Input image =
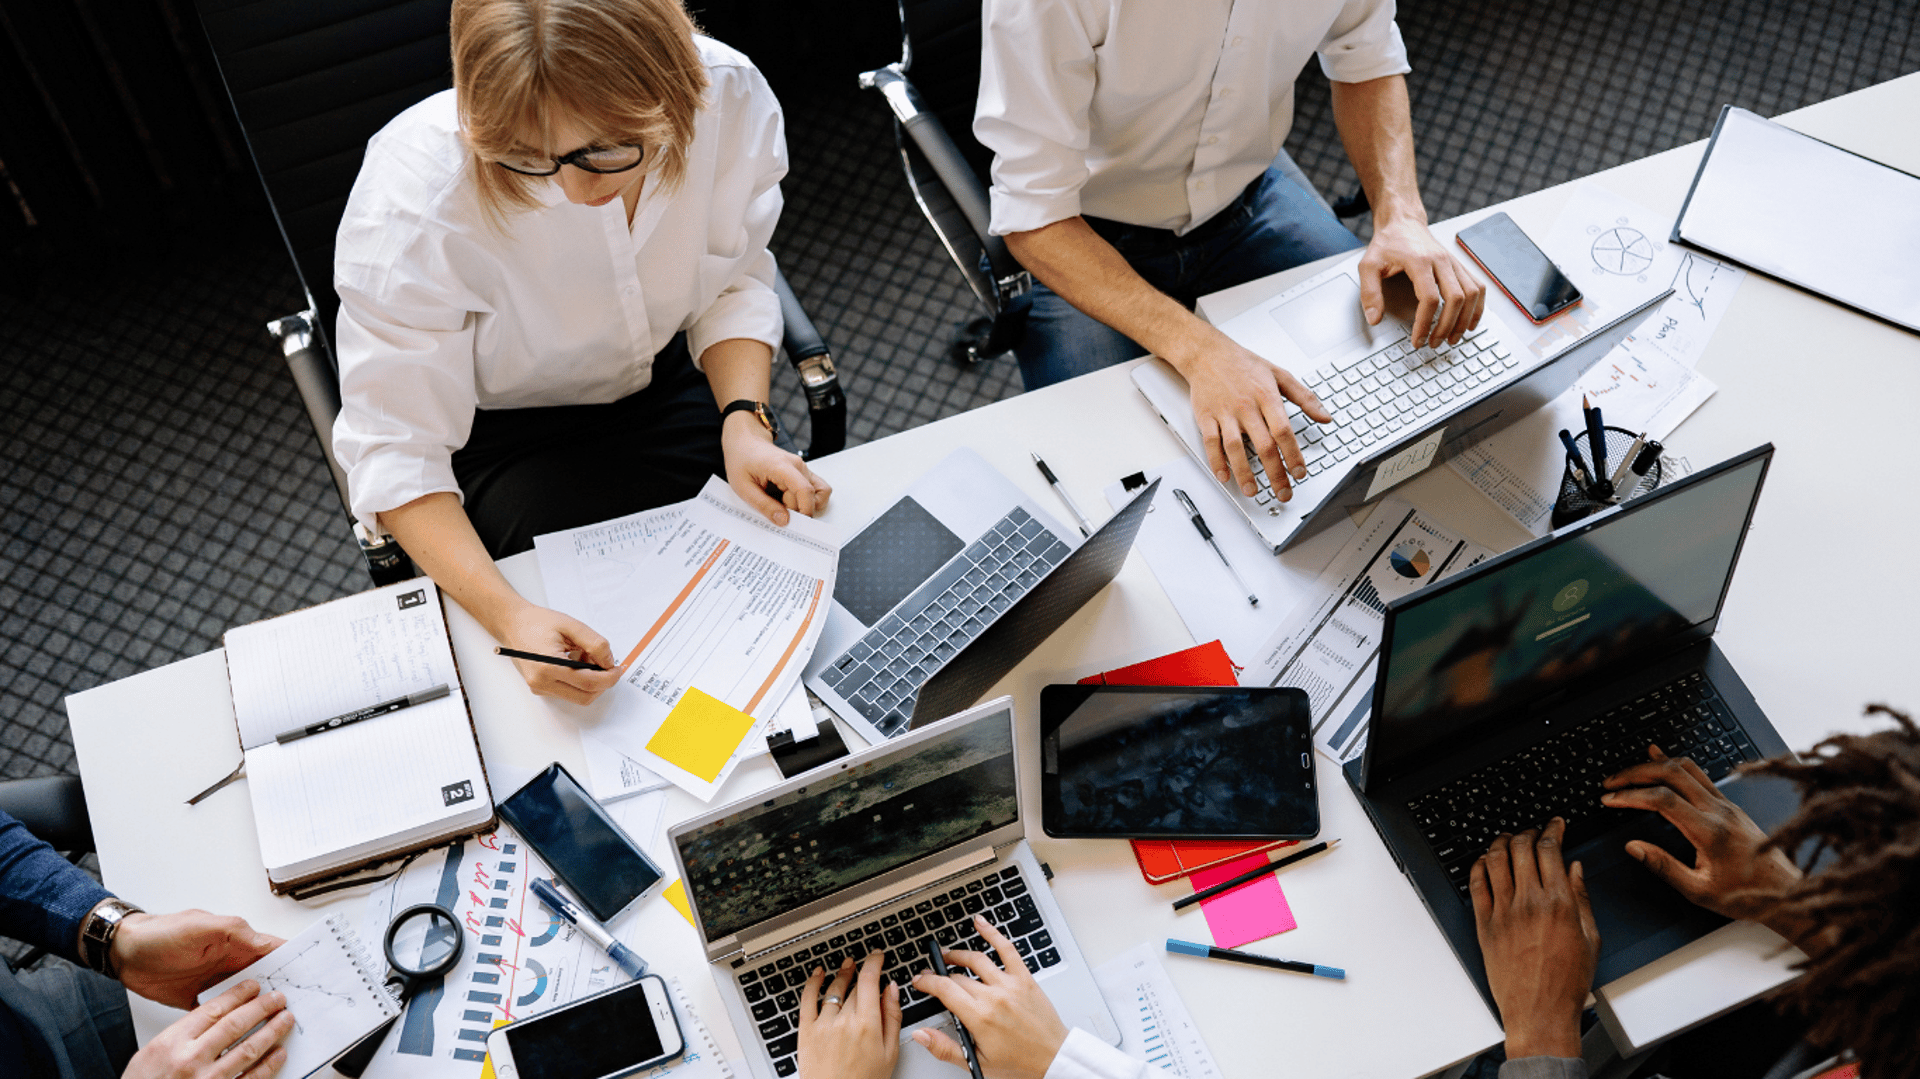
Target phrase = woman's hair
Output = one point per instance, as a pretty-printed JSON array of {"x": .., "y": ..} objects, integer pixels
[
  {"x": 625, "y": 71},
  {"x": 1860, "y": 800}
]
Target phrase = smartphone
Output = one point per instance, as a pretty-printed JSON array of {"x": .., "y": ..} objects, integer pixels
[
  {"x": 1518, "y": 268},
  {"x": 1174, "y": 762},
  {"x": 616, "y": 1032},
  {"x": 597, "y": 861}
]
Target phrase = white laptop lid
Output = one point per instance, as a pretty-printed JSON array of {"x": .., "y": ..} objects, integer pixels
[{"x": 852, "y": 832}]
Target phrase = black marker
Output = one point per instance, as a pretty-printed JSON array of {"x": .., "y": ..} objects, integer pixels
[
  {"x": 966, "y": 1040},
  {"x": 348, "y": 718}
]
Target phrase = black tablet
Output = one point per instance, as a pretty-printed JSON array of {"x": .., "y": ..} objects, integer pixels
[{"x": 1171, "y": 762}]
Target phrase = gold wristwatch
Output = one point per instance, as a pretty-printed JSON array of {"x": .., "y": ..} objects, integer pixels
[{"x": 761, "y": 411}]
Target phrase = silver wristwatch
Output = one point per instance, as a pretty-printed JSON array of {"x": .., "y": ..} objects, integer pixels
[{"x": 97, "y": 931}]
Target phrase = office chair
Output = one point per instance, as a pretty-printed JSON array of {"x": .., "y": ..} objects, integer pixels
[
  {"x": 946, "y": 167},
  {"x": 311, "y": 81},
  {"x": 54, "y": 809}
]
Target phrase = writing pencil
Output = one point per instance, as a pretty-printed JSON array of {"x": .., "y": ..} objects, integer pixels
[
  {"x": 1253, "y": 874},
  {"x": 558, "y": 661},
  {"x": 1208, "y": 951}
]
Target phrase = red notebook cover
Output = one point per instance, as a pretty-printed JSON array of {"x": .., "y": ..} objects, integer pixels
[{"x": 1202, "y": 665}]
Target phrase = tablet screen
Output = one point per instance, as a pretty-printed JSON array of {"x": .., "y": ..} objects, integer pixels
[{"x": 1177, "y": 763}]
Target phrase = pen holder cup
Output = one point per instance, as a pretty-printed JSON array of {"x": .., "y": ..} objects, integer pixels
[{"x": 1573, "y": 503}]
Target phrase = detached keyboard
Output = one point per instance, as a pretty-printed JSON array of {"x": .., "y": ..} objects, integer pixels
[
  {"x": 772, "y": 982},
  {"x": 881, "y": 674},
  {"x": 1562, "y": 776},
  {"x": 1376, "y": 397}
]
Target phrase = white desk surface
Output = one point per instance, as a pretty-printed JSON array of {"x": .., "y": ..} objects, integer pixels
[{"x": 1816, "y": 623}]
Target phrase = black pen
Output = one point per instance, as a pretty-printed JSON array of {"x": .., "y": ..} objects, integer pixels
[
  {"x": 1208, "y": 951},
  {"x": 966, "y": 1039},
  {"x": 380, "y": 709},
  {"x": 1206, "y": 533},
  {"x": 1578, "y": 464},
  {"x": 1086, "y": 526},
  {"x": 1271, "y": 867},
  {"x": 1597, "y": 445},
  {"x": 557, "y": 661}
]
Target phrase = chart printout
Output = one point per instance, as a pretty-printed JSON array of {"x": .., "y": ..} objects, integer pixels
[
  {"x": 1154, "y": 1023},
  {"x": 714, "y": 597}
]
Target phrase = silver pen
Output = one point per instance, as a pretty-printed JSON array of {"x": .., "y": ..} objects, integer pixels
[
  {"x": 1206, "y": 533},
  {"x": 1626, "y": 466},
  {"x": 1086, "y": 526}
]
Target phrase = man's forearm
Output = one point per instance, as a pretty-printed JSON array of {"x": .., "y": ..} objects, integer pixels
[
  {"x": 1376, "y": 127},
  {"x": 1073, "y": 260}
]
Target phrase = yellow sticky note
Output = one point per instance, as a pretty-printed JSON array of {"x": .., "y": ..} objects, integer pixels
[
  {"x": 700, "y": 734},
  {"x": 676, "y": 894}
]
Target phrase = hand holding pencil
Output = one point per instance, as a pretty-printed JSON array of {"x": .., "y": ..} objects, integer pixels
[{"x": 537, "y": 631}]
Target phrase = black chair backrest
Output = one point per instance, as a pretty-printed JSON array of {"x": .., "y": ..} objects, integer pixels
[
  {"x": 312, "y": 81},
  {"x": 943, "y": 53}
]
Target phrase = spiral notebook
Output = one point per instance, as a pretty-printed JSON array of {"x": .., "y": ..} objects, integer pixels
[{"x": 334, "y": 987}]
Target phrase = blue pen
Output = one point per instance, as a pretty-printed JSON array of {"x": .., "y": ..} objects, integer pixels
[
  {"x": 1208, "y": 951},
  {"x": 1578, "y": 463},
  {"x": 568, "y": 909}
]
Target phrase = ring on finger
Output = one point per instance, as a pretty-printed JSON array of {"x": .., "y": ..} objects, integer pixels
[{"x": 830, "y": 998}]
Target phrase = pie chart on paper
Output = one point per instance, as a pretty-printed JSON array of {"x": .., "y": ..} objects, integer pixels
[{"x": 1410, "y": 560}]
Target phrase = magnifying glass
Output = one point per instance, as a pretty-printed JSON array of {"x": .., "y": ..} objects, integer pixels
[{"x": 423, "y": 944}]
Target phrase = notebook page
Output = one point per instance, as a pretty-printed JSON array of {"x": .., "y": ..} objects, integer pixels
[
  {"x": 333, "y": 989},
  {"x": 336, "y": 658},
  {"x": 358, "y": 785}
]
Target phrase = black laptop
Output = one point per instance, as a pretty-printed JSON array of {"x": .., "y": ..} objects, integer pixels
[{"x": 1506, "y": 694}]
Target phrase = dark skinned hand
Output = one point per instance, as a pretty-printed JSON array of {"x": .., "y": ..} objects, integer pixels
[{"x": 1538, "y": 939}]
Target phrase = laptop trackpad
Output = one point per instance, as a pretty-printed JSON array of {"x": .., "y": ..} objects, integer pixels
[{"x": 1640, "y": 917}]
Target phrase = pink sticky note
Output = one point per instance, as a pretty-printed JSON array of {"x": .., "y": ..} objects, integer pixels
[{"x": 1255, "y": 910}]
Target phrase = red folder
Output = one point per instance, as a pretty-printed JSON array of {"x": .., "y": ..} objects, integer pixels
[{"x": 1202, "y": 665}]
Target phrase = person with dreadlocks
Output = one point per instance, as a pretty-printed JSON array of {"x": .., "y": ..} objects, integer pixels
[{"x": 1857, "y": 918}]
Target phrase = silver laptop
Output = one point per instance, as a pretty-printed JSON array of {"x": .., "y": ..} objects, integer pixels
[
  {"x": 947, "y": 590},
  {"x": 881, "y": 849},
  {"x": 1397, "y": 410}
]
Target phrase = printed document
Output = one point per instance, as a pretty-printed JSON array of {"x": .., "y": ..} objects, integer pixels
[
  {"x": 1154, "y": 1023},
  {"x": 707, "y": 595},
  {"x": 1330, "y": 643}
]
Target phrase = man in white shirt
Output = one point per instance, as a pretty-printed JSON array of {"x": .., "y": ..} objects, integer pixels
[{"x": 1133, "y": 144}]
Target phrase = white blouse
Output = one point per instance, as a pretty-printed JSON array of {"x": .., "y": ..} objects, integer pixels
[
  {"x": 442, "y": 313},
  {"x": 1083, "y": 1056},
  {"x": 1155, "y": 112}
]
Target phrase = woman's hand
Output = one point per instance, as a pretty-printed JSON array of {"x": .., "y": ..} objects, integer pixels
[
  {"x": 854, "y": 1031},
  {"x": 1733, "y": 872},
  {"x": 754, "y": 462},
  {"x": 536, "y": 629},
  {"x": 1015, "y": 1030}
]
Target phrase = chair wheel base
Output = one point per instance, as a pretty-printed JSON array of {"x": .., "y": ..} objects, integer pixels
[{"x": 967, "y": 346}]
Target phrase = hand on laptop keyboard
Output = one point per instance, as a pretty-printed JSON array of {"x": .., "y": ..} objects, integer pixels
[
  {"x": 1240, "y": 404},
  {"x": 1538, "y": 939},
  {"x": 852, "y": 1029},
  {"x": 1734, "y": 873},
  {"x": 1009, "y": 1016}
]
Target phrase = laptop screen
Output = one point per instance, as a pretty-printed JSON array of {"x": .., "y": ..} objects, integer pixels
[
  {"x": 852, "y": 825},
  {"x": 1564, "y": 608}
]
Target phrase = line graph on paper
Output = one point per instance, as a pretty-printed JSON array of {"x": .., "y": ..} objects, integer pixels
[{"x": 307, "y": 975}]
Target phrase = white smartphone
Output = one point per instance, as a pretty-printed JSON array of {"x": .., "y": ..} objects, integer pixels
[{"x": 612, "y": 1033}]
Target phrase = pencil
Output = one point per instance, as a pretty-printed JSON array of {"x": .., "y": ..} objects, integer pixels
[
  {"x": 1227, "y": 885},
  {"x": 558, "y": 661}
]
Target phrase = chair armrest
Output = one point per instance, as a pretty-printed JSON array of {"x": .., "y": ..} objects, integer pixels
[
  {"x": 54, "y": 808},
  {"x": 807, "y": 351},
  {"x": 319, "y": 386}
]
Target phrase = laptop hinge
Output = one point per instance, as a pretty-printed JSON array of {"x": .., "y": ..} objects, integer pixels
[{"x": 866, "y": 900}]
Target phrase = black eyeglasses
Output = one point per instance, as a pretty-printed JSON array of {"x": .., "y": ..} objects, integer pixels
[{"x": 589, "y": 158}]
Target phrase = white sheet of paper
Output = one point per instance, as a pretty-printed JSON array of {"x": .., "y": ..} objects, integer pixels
[
  {"x": 1155, "y": 1025},
  {"x": 1209, "y": 602},
  {"x": 1638, "y": 388},
  {"x": 1330, "y": 644},
  {"x": 716, "y": 598},
  {"x": 334, "y": 987}
]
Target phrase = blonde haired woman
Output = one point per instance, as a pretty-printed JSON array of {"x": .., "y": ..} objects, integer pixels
[{"x": 552, "y": 280}]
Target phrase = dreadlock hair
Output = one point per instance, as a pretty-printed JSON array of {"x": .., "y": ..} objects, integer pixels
[{"x": 1860, "y": 799}]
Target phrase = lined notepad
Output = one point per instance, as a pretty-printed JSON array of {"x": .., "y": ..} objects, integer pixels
[
  {"x": 369, "y": 790},
  {"x": 333, "y": 987}
]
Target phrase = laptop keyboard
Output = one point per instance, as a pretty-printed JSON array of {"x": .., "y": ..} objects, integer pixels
[
  {"x": 1562, "y": 776},
  {"x": 882, "y": 673},
  {"x": 1376, "y": 397},
  {"x": 772, "y": 981}
]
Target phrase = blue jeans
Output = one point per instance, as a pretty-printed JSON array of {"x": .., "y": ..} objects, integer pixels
[{"x": 1272, "y": 226}]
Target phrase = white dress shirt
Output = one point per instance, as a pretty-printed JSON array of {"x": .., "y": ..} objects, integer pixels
[
  {"x": 442, "y": 313},
  {"x": 1083, "y": 1056},
  {"x": 1154, "y": 112}
]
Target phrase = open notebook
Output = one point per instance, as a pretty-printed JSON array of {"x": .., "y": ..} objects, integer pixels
[{"x": 371, "y": 790}]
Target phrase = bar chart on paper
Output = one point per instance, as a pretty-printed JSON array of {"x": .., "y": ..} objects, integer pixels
[{"x": 1154, "y": 1023}]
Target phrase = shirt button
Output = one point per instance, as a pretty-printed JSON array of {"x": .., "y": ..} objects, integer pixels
[
  {"x": 628, "y": 290},
  {"x": 1211, "y": 139},
  {"x": 1238, "y": 40}
]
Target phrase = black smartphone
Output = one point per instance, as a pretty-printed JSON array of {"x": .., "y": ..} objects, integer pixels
[
  {"x": 592, "y": 855},
  {"x": 1519, "y": 268},
  {"x": 1177, "y": 762},
  {"x": 612, "y": 1033}
]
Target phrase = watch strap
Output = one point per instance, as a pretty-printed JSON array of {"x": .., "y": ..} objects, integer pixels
[
  {"x": 760, "y": 409},
  {"x": 97, "y": 931}
]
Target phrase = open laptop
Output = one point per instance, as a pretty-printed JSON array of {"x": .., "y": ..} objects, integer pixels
[
  {"x": 947, "y": 590},
  {"x": 881, "y": 849},
  {"x": 1507, "y": 693},
  {"x": 1397, "y": 410}
]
